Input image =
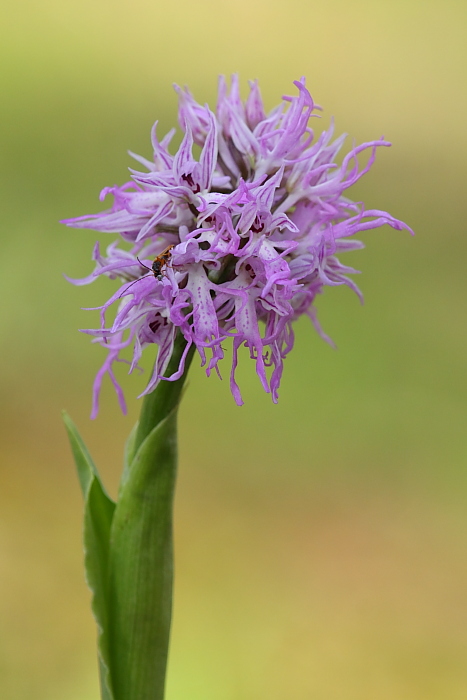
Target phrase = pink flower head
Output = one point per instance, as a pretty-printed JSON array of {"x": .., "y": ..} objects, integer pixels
[{"x": 238, "y": 243}]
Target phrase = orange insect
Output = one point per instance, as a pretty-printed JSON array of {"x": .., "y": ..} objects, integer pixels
[{"x": 160, "y": 261}]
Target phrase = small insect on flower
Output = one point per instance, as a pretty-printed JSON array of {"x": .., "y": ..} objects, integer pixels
[{"x": 160, "y": 261}]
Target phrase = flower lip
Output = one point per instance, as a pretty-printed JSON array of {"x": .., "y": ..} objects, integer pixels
[{"x": 236, "y": 244}]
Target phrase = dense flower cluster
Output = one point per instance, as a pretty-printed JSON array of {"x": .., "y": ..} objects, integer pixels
[{"x": 238, "y": 243}]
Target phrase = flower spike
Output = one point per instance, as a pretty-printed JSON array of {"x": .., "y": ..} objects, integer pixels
[{"x": 245, "y": 237}]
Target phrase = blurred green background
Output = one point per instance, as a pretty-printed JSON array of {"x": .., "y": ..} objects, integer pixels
[{"x": 321, "y": 544}]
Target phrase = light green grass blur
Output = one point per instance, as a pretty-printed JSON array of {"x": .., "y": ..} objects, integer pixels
[{"x": 321, "y": 544}]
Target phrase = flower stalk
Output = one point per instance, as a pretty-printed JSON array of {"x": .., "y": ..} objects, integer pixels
[{"x": 166, "y": 397}]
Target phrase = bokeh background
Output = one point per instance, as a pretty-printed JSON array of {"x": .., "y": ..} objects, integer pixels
[{"x": 321, "y": 544}]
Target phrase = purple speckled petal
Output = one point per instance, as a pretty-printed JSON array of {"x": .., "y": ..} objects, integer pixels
[
  {"x": 234, "y": 388},
  {"x": 205, "y": 323}
]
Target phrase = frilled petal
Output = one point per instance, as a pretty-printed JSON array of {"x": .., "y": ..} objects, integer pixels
[
  {"x": 208, "y": 159},
  {"x": 113, "y": 347},
  {"x": 254, "y": 108},
  {"x": 164, "y": 337}
]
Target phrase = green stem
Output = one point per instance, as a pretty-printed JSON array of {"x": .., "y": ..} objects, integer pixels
[
  {"x": 166, "y": 396},
  {"x": 141, "y": 549}
]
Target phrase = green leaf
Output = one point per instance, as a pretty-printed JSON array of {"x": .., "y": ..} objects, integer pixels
[
  {"x": 141, "y": 568},
  {"x": 83, "y": 460},
  {"x": 128, "y": 546},
  {"x": 98, "y": 513},
  {"x": 129, "y": 454}
]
